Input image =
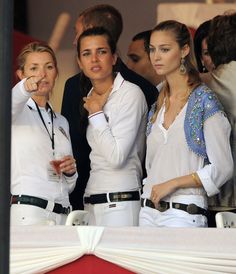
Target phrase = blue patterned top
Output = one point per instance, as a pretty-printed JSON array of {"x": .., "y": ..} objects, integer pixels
[{"x": 202, "y": 104}]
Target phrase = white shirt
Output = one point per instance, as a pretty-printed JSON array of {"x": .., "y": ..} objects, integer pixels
[
  {"x": 32, "y": 149},
  {"x": 169, "y": 156},
  {"x": 117, "y": 140}
]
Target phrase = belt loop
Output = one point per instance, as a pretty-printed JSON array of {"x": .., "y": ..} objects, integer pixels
[
  {"x": 144, "y": 202},
  {"x": 170, "y": 203},
  {"x": 108, "y": 197},
  {"x": 50, "y": 206}
]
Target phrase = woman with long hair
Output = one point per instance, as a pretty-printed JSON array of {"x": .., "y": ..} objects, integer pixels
[
  {"x": 116, "y": 113},
  {"x": 188, "y": 151}
]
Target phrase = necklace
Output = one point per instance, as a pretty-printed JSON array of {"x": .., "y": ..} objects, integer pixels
[{"x": 101, "y": 93}]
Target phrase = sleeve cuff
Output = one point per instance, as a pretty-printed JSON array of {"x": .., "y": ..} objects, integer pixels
[
  {"x": 207, "y": 183},
  {"x": 97, "y": 119},
  {"x": 71, "y": 179}
]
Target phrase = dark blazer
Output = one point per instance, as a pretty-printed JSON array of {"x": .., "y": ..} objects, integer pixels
[{"x": 70, "y": 109}]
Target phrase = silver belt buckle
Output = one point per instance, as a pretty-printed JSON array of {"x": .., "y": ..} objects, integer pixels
[
  {"x": 192, "y": 209},
  {"x": 162, "y": 207}
]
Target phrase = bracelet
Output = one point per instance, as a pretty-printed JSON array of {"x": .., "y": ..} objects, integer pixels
[{"x": 196, "y": 180}]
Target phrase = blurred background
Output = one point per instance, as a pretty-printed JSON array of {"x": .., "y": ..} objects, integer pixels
[{"x": 53, "y": 21}]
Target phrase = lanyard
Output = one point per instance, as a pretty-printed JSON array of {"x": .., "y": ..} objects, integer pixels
[{"x": 51, "y": 136}]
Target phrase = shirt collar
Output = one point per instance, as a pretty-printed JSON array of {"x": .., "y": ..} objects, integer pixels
[
  {"x": 116, "y": 84},
  {"x": 32, "y": 106}
]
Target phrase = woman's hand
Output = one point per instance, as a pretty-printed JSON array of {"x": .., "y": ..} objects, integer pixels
[
  {"x": 95, "y": 102},
  {"x": 162, "y": 190},
  {"x": 68, "y": 165},
  {"x": 31, "y": 83}
]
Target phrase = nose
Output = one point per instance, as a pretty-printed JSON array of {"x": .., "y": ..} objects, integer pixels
[
  {"x": 42, "y": 73},
  {"x": 94, "y": 57},
  {"x": 157, "y": 55}
]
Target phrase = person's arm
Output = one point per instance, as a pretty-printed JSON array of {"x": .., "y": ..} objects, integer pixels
[
  {"x": 212, "y": 176},
  {"x": 116, "y": 143},
  {"x": 217, "y": 138},
  {"x": 68, "y": 167},
  {"x": 21, "y": 92}
]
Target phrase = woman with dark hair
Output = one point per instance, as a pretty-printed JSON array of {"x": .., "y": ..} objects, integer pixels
[
  {"x": 222, "y": 49},
  {"x": 188, "y": 152},
  {"x": 203, "y": 58},
  {"x": 116, "y": 111}
]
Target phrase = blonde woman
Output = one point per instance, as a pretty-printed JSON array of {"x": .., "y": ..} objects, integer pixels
[
  {"x": 43, "y": 170},
  {"x": 188, "y": 150}
]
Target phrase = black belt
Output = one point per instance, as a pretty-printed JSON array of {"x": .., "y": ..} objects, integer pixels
[
  {"x": 35, "y": 201},
  {"x": 113, "y": 197},
  {"x": 163, "y": 206}
]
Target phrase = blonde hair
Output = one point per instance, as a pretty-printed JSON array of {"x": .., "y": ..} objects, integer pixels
[
  {"x": 183, "y": 37},
  {"x": 34, "y": 47}
]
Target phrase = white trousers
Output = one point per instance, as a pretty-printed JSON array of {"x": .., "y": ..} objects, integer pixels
[
  {"x": 170, "y": 218},
  {"x": 33, "y": 215},
  {"x": 114, "y": 214}
]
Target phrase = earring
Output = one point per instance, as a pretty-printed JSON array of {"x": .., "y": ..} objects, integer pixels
[
  {"x": 203, "y": 68},
  {"x": 182, "y": 67}
]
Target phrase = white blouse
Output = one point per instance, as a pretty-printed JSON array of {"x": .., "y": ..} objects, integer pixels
[
  {"x": 169, "y": 156},
  {"x": 32, "y": 150},
  {"x": 117, "y": 140}
]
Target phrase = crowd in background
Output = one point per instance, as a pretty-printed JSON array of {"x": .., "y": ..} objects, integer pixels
[{"x": 149, "y": 143}]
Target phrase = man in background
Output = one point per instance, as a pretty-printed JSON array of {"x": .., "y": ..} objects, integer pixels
[{"x": 138, "y": 57}]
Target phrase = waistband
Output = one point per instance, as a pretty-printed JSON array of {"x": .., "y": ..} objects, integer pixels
[
  {"x": 163, "y": 206},
  {"x": 39, "y": 202},
  {"x": 112, "y": 197}
]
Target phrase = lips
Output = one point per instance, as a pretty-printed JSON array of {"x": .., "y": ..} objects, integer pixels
[
  {"x": 158, "y": 66},
  {"x": 96, "y": 68}
]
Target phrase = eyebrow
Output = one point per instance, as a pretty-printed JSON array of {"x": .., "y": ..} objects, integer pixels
[
  {"x": 36, "y": 64},
  {"x": 96, "y": 49}
]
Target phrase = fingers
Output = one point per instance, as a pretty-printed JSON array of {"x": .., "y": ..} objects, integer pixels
[
  {"x": 155, "y": 198},
  {"x": 68, "y": 165},
  {"x": 31, "y": 83}
]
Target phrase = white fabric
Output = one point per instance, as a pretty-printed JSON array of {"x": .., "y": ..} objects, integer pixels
[
  {"x": 142, "y": 250},
  {"x": 32, "y": 150},
  {"x": 150, "y": 217},
  {"x": 90, "y": 238},
  {"x": 117, "y": 140},
  {"x": 33, "y": 215},
  {"x": 124, "y": 213},
  {"x": 168, "y": 156}
]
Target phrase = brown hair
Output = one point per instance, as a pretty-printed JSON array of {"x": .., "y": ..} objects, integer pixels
[
  {"x": 183, "y": 37},
  {"x": 34, "y": 47},
  {"x": 222, "y": 38},
  {"x": 105, "y": 16}
]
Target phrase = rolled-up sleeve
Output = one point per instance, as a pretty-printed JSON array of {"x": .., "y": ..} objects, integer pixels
[{"x": 220, "y": 168}]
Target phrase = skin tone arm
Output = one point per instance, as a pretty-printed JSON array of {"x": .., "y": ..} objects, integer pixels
[{"x": 161, "y": 190}]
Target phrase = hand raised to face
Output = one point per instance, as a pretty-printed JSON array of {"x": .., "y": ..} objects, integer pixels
[{"x": 31, "y": 83}]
